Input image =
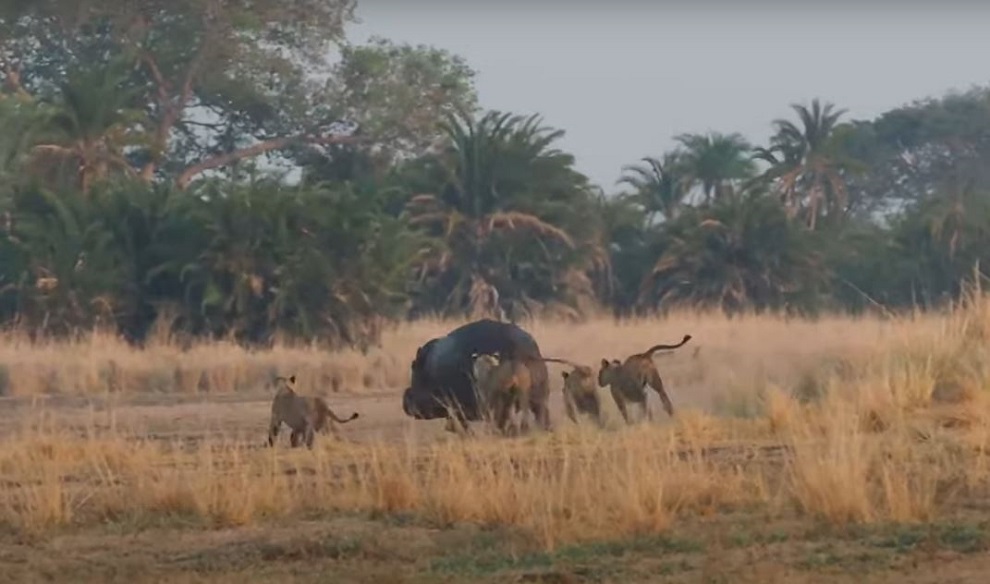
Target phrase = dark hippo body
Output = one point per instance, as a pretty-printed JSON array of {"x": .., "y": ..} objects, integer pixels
[{"x": 442, "y": 366}]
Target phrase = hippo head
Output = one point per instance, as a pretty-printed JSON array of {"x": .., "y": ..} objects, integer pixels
[
  {"x": 422, "y": 405},
  {"x": 419, "y": 399}
]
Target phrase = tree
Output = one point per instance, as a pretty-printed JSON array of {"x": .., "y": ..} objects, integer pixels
[
  {"x": 87, "y": 131},
  {"x": 222, "y": 87},
  {"x": 259, "y": 259},
  {"x": 502, "y": 191},
  {"x": 940, "y": 240},
  {"x": 398, "y": 93},
  {"x": 805, "y": 164},
  {"x": 21, "y": 122},
  {"x": 621, "y": 244},
  {"x": 740, "y": 253},
  {"x": 715, "y": 162},
  {"x": 660, "y": 185},
  {"x": 68, "y": 275},
  {"x": 922, "y": 150},
  {"x": 240, "y": 66}
]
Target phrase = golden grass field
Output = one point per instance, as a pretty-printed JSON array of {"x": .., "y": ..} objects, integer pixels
[{"x": 837, "y": 450}]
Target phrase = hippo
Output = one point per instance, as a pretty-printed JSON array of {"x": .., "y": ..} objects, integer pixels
[{"x": 441, "y": 372}]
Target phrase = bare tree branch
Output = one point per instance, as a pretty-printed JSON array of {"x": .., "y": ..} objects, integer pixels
[
  {"x": 172, "y": 110},
  {"x": 258, "y": 149}
]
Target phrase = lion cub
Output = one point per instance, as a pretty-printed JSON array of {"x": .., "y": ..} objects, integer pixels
[
  {"x": 627, "y": 381},
  {"x": 305, "y": 415}
]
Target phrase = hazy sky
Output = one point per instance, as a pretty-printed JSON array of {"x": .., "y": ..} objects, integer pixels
[{"x": 623, "y": 78}]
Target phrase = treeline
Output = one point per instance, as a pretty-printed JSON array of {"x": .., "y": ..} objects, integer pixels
[{"x": 225, "y": 173}]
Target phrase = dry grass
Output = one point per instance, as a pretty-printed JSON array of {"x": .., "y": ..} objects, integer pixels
[
  {"x": 844, "y": 420},
  {"x": 745, "y": 350}
]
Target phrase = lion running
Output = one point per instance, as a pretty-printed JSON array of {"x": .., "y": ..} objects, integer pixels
[
  {"x": 305, "y": 415},
  {"x": 581, "y": 394},
  {"x": 627, "y": 381}
]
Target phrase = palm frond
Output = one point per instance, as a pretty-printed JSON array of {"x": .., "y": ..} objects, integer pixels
[{"x": 513, "y": 220}]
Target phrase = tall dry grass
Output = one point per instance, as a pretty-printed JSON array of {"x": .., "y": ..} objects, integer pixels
[
  {"x": 732, "y": 354},
  {"x": 841, "y": 419}
]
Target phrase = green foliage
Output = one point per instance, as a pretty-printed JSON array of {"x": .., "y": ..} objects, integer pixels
[
  {"x": 716, "y": 163},
  {"x": 499, "y": 192},
  {"x": 659, "y": 186},
  {"x": 248, "y": 261},
  {"x": 86, "y": 131},
  {"x": 807, "y": 163},
  {"x": 739, "y": 254},
  {"x": 220, "y": 89},
  {"x": 132, "y": 188},
  {"x": 397, "y": 93},
  {"x": 70, "y": 270}
]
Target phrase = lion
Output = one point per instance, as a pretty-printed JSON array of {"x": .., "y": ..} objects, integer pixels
[
  {"x": 305, "y": 415},
  {"x": 505, "y": 386},
  {"x": 581, "y": 394},
  {"x": 627, "y": 381}
]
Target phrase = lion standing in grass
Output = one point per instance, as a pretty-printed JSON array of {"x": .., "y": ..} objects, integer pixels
[
  {"x": 305, "y": 415},
  {"x": 627, "y": 381}
]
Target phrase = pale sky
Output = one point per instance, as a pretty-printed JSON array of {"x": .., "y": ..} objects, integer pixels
[{"x": 623, "y": 78}]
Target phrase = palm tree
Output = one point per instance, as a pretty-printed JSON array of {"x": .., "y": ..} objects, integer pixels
[
  {"x": 20, "y": 121},
  {"x": 73, "y": 274},
  {"x": 502, "y": 189},
  {"x": 659, "y": 185},
  {"x": 805, "y": 163},
  {"x": 740, "y": 253},
  {"x": 92, "y": 124},
  {"x": 258, "y": 259},
  {"x": 716, "y": 162},
  {"x": 619, "y": 249}
]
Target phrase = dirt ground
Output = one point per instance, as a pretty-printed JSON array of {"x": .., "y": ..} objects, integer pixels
[
  {"x": 193, "y": 418},
  {"x": 245, "y": 415}
]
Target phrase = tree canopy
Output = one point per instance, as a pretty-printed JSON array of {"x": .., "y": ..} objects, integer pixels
[{"x": 240, "y": 169}]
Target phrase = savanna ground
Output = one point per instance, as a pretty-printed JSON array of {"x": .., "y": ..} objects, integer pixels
[{"x": 838, "y": 450}]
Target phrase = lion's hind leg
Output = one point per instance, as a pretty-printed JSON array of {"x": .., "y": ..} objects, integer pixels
[
  {"x": 595, "y": 407},
  {"x": 620, "y": 402},
  {"x": 502, "y": 410},
  {"x": 274, "y": 425},
  {"x": 523, "y": 410},
  {"x": 569, "y": 407},
  {"x": 656, "y": 383}
]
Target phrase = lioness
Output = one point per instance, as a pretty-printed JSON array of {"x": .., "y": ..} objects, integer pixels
[
  {"x": 505, "y": 386},
  {"x": 627, "y": 381},
  {"x": 581, "y": 394},
  {"x": 305, "y": 415}
]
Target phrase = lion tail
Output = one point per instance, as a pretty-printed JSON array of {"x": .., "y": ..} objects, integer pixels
[
  {"x": 649, "y": 352},
  {"x": 330, "y": 413}
]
